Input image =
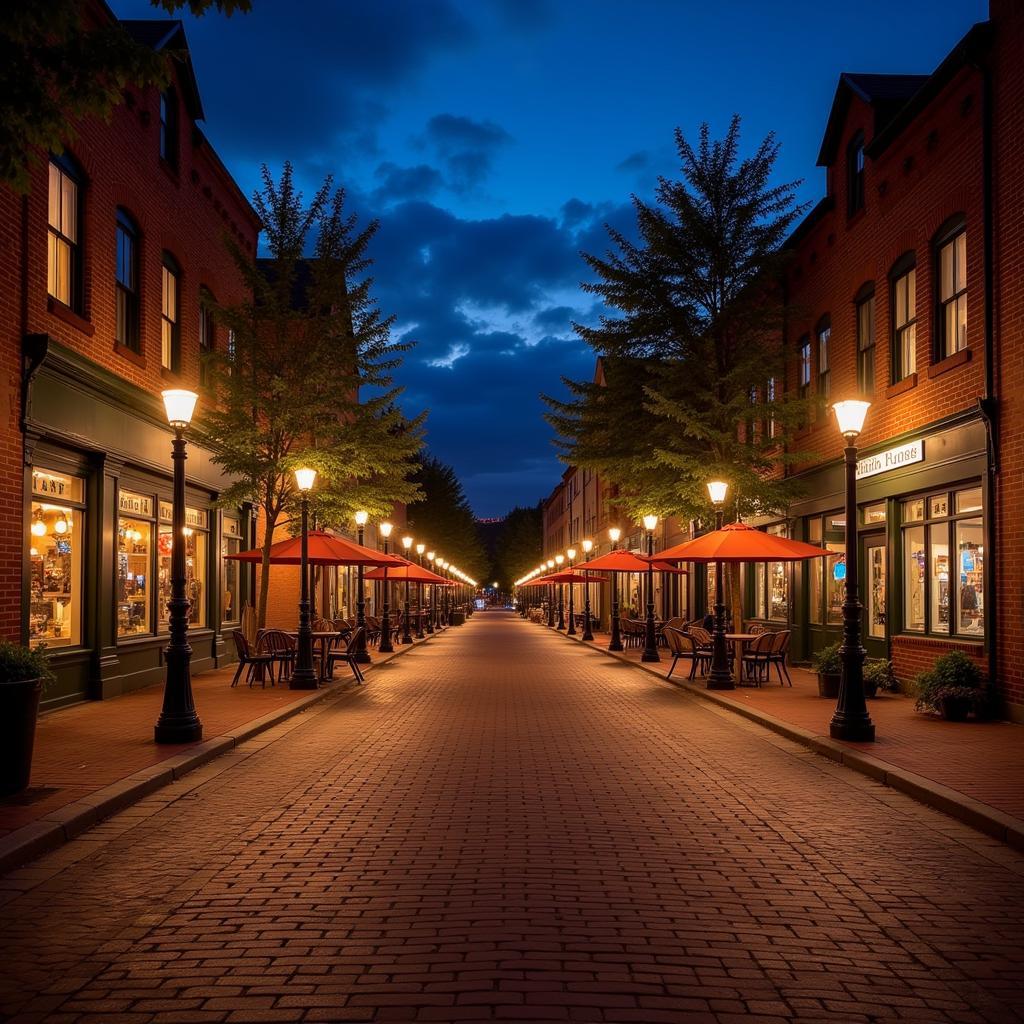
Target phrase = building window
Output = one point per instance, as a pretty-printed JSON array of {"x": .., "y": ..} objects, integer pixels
[
  {"x": 230, "y": 544},
  {"x": 952, "y": 316},
  {"x": 64, "y": 253},
  {"x": 771, "y": 585},
  {"x": 855, "y": 175},
  {"x": 134, "y": 576},
  {"x": 826, "y": 576},
  {"x": 824, "y": 333},
  {"x": 195, "y": 564},
  {"x": 207, "y": 335},
  {"x": 170, "y": 334},
  {"x": 771, "y": 425},
  {"x": 56, "y": 539},
  {"x": 866, "y": 340},
  {"x": 169, "y": 127},
  {"x": 904, "y": 318},
  {"x": 804, "y": 349},
  {"x": 127, "y": 282},
  {"x": 944, "y": 564}
]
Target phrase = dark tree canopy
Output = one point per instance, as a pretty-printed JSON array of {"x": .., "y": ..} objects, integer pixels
[{"x": 519, "y": 545}]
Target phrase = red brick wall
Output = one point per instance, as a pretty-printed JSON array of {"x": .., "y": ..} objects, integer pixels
[{"x": 914, "y": 654}]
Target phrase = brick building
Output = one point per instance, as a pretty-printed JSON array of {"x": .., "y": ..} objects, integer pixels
[{"x": 107, "y": 263}]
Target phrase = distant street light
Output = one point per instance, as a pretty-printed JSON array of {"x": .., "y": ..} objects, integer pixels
[
  {"x": 720, "y": 676},
  {"x": 650, "y": 635},
  {"x": 304, "y": 676},
  {"x": 385, "y": 646},
  {"x": 615, "y": 644}
]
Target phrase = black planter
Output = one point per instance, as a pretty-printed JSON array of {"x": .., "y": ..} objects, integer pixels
[
  {"x": 19, "y": 708},
  {"x": 870, "y": 689},
  {"x": 828, "y": 684},
  {"x": 956, "y": 709}
]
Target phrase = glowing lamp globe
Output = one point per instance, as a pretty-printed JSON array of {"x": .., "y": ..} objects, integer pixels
[
  {"x": 614, "y": 534},
  {"x": 588, "y": 546},
  {"x": 650, "y": 522},
  {"x": 850, "y": 416},
  {"x": 385, "y": 530},
  {"x": 559, "y": 559},
  {"x": 362, "y": 517},
  {"x": 407, "y": 543},
  {"x": 179, "y": 406},
  {"x": 571, "y": 553},
  {"x": 717, "y": 490},
  {"x": 305, "y": 478}
]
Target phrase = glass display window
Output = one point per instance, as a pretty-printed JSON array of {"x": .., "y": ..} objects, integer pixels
[
  {"x": 134, "y": 582},
  {"x": 230, "y": 544},
  {"x": 195, "y": 564}
]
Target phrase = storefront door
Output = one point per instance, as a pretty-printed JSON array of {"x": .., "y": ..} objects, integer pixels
[{"x": 873, "y": 594}]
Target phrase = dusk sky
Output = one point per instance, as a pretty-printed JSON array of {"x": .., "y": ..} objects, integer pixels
[{"x": 494, "y": 139}]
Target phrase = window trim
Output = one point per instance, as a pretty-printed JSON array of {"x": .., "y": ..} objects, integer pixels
[
  {"x": 170, "y": 264},
  {"x": 855, "y": 191},
  {"x": 864, "y": 295},
  {"x": 903, "y": 266},
  {"x": 947, "y": 234},
  {"x": 71, "y": 169},
  {"x": 804, "y": 345},
  {"x": 824, "y": 328},
  {"x": 126, "y": 224}
]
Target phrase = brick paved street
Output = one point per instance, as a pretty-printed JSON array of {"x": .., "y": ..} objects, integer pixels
[{"x": 504, "y": 826}]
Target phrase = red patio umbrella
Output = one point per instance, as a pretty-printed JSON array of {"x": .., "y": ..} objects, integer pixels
[
  {"x": 737, "y": 542},
  {"x": 324, "y": 549},
  {"x": 626, "y": 561},
  {"x": 411, "y": 571}
]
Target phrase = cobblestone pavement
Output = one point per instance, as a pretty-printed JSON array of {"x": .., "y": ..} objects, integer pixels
[{"x": 503, "y": 826}]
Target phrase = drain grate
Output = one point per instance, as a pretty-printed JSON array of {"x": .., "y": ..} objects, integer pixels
[{"x": 29, "y": 796}]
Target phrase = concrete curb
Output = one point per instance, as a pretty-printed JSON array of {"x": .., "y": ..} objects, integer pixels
[
  {"x": 65, "y": 823},
  {"x": 958, "y": 805}
]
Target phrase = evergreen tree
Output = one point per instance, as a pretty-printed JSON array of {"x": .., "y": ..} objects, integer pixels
[
  {"x": 519, "y": 545},
  {"x": 288, "y": 386}
]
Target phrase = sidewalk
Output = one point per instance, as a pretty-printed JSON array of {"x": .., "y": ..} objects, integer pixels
[
  {"x": 970, "y": 770},
  {"x": 98, "y": 757}
]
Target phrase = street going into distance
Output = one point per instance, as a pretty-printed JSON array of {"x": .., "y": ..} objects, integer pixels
[{"x": 506, "y": 825}]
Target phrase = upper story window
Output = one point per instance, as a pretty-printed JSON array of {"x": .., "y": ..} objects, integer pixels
[
  {"x": 169, "y": 127},
  {"x": 804, "y": 350},
  {"x": 855, "y": 175},
  {"x": 824, "y": 333},
  {"x": 207, "y": 339},
  {"x": 771, "y": 427},
  {"x": 952, "y": 267},
  {"x": 865, "y": 303},
  {"x": 126, "y": 284},
  {"x": 903, "y": 277},
  {"x": 170, "y": 332},
  {"x": 64, "y": 236}
]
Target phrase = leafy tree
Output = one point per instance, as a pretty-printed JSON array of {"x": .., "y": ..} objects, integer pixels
[
  {"x": 56, "y": 67},
  {"x": 288, "y": 386},
  {"x": 519, "y": 545},
  {"x": 443, "y": 519}
]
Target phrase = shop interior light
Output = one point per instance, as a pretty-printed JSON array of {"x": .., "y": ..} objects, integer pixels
[
  {"x": 61, "y": 525},
  {"x": 38, "y": 526}
]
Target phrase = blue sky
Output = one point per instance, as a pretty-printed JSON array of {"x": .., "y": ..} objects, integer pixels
[{"x": 495, "y": 138}]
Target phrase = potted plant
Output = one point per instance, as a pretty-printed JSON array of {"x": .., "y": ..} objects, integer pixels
[
  {"x": 23, "y": 672},
  {"x": 878, "y": 675},
  {"x": 953, "y": 688},
  {"x": 829, "y": 667}
]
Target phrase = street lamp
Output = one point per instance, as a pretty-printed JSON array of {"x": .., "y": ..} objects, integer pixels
[
  {"x": 420, "y": 635},
  {"x": 559, "y": 559},
  {"x": 588, "y": 633},
  {"x": 304, "y": 677},
  {"x": 851, "y": 720},
  {"x": 362, "y": 655},
  {"x": 406, "y": 635},
  {"x": 433, "y": 593},
  {"x": 650, "y": 637},
  {"x": 385, "y": 646},
  {"x": 720, "y": 676},
  {"x": 178, "y": 721},
  {"x": 571, "y": 631},
  {"x": 551, "y": 597},
  {"x": 615, "y": 644}
]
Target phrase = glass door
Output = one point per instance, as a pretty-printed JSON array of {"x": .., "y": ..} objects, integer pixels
[{"x": 874, "y": 595}]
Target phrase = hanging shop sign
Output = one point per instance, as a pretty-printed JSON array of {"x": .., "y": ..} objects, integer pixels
[
  {"x": 194, "y": 517},
  {"x": 135, "y": 504},
  {"x": 892, "y": 458},
  {"x": 56, "y": 485}
]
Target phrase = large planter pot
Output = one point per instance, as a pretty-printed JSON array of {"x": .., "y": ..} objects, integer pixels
[
  {"x": 19, "y": 708},
  {"x": 956, "y": 709},
  {"x": 828, "y": 684}
]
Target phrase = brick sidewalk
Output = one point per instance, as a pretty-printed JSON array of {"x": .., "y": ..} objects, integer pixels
[{"x": 982, "y": 760}]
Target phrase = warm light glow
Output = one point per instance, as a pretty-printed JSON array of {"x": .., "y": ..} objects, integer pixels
[
  {"x": 551, "y": 563},
  {"x": 588, "y": 546},
  {"x": 305, "y": 478},
  {"x": 33, "y": 552},
  {"x": 39, "y": 528},
  {"x": 385, "y": 529},
  {"x": 850, "y": 416},
  {"x": 615, "y": 533},
  {"x": 559, "y": 559},
  {"x": 361, "y": 517},
  {"x": 495, "y": 584},
  {"x": 61, "y": 526},
  {"x": 407, "y": 543},
  {"x": 430, "y": 555},
  {"x": 717, "y": 490},
  {"x": 571, "y": 553},
  {"x": 650, "y": 522},
  {"x": 179, "y": 406},
  {"x": 187, "y": 531},
  {"x": 420, "y": 548}
]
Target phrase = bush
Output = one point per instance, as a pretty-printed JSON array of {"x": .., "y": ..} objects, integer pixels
[
  {"x": 19, "y": 663},
  {"x": 880, "y": 674},
  {"x": 827, "y": 660},
  {"x": 953, "y": 675}
]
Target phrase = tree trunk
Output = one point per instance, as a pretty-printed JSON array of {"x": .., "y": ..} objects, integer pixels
[
  {"x": 736, "y": 603},
  {"x": 261, "y": 611}
]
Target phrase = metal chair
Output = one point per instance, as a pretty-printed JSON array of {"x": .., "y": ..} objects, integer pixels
[
  {"x": 251, "y": 659},
  {"x": 682, "y": 645},
  {"x": 777, "y": 654},
  {"x": 348, "y": 655},
  {"x": 281, "y": 649}
]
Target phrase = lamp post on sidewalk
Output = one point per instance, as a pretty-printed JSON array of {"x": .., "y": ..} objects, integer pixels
[
  {"x": 851, "y": 720},
  {"x": 178, "y": 721},
  {"x": 559, "y": 559},
  {"x": 406, "y": 635},
  {"x": 551, "y": 597},
  {"x": 362, "y": 655},
  {"x": 720, "y": 676},
  {"x": 650, "y": 634},
  {"x": 420, "y": 635},
  {"x": 571, "y": 631},
  {"x": 385, "y": 646},
  {"x": 615, "y": 644},
  {"x": 588, "y": 633},
  {"x": 433, "y": 595},
  {"x": 304, "y": 677}
]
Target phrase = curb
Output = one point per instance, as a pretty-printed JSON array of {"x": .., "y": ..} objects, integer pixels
[
  {"x": 965, "y": 809},
  {"x": 65, "y": 823}
]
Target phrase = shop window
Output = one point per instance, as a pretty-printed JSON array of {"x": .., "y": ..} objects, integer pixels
[
  {"x": 64, "y": 252},
  {"x": 56, "y": 540},
  {"x": 855, "y": 175},
  {"x": 952, "y": 313},
  {"x": 195, "y": 564},
  {"x": 904, "y": 318},
  {"x": 771, "y": 585},
  {"x": 169, "y": 127},
  {"x": 866, "y": 341},
  {"x": 872, "y": 515},
  {"x": 944, "y": 564},
  {"x": 134, "y": 582},
  {"x": 126, "y": 283},
  {"x": 230, "y": 544},
  {"x": 824, "y": 357},
  {"x": 815, "y": 574},
  {"x": 170, "y": 333}
]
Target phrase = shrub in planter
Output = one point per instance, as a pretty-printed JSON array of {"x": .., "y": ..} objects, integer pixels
[
  {"x": 23, "y": 673},
  {"x": 829, "y": 667},
  {"x": 878, "y": 675},
  {"x": 953, "y": 687}
]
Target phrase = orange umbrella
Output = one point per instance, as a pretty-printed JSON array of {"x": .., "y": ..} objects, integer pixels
[
  {"x": 737, "y": 542},
  {"x": 324, "y": 549},
  {"x": 412, "y": 572},
  {"x": 575, "y": 575},
  {"x": 626, "y": 561}
]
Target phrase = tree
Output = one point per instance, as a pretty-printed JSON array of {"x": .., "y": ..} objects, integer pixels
[
  {"x": 288, "y": 386},
  {"x": 519, "y": 545},
  {"x": 442, "y": 518},
  {"x": 55, "y": 67}
]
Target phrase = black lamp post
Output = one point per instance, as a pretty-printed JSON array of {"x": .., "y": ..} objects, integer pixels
[
  {"x": 178, "y": 721},
  {"x": 385, "y": 646},
  {"x": 851, "y": 720},
  {"x": 720, "y": 676},
  {"x": 304, "y": 676},
  {"x": 650, "y": 634},
  {"x": 571, "y": 631},
  {"x": 615, "y": 644},
  {"x": 362, "y": 655},
  {"x": 588, "y": 633},
  {"x": 559, "y": 559},
  {"x": 433, "y": 595},
  {"x": 551, "y": 597},
  {"x": 406, "y": 635},
  {"x": 420, "y": 635}
]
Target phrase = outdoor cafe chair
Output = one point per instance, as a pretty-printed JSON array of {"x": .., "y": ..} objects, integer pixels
[
  {"x": 682, "y": 645},
  {"x": 255, "y": 662},
  {"x": 632, "y": 631},
  {"x": 702, "y": 638},
  {"x": 777, "y": 654},
  {"x": 755, "y": 657},
  {"x": 281, "y": 648},
  {"x": 372, "y": 629},
  {"x": 348, "y": 655}
]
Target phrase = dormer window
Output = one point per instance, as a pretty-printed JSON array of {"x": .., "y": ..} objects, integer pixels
[
  {"x": 855, "y": 175},
  {"x": 169, "y": 127}
]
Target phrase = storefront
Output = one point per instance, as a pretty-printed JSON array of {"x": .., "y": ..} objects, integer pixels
[{"x": 98, "y": 534}]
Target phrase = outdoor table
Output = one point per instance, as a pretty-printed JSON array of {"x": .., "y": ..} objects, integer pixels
[
  {"x": 742, "y": 639},
  {"x": 321, "y": 645}
]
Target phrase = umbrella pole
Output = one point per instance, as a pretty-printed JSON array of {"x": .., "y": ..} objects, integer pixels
[
  {"x": 720, "y": 676},
  {"x": 615, "y": 644}
]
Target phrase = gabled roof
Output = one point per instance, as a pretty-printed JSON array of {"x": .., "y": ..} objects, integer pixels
[{"x": 168, "y": 34}]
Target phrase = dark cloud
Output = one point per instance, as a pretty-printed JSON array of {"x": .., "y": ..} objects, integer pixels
[
  {"x": 398, "y": 184},
  {"x": 635, "y": 162},
  {"x": 465, "y": 147},
  {"x": 556, "y": 318}
]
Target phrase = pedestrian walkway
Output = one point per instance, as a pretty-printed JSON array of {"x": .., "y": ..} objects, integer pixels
[
  {"x": 506, "y": 826},
  {"x": 982, "y": 760}
]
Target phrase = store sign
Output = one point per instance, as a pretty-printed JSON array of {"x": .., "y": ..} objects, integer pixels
[
  {"x": 194, "y": 517},
  {"x": 135, "y": 504},
  {"x": 54, "y": 485},
  {"x": 893, "y": 458}
]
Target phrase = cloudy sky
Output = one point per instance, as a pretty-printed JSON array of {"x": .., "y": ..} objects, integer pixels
[{"x": 494, "y": 139}]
